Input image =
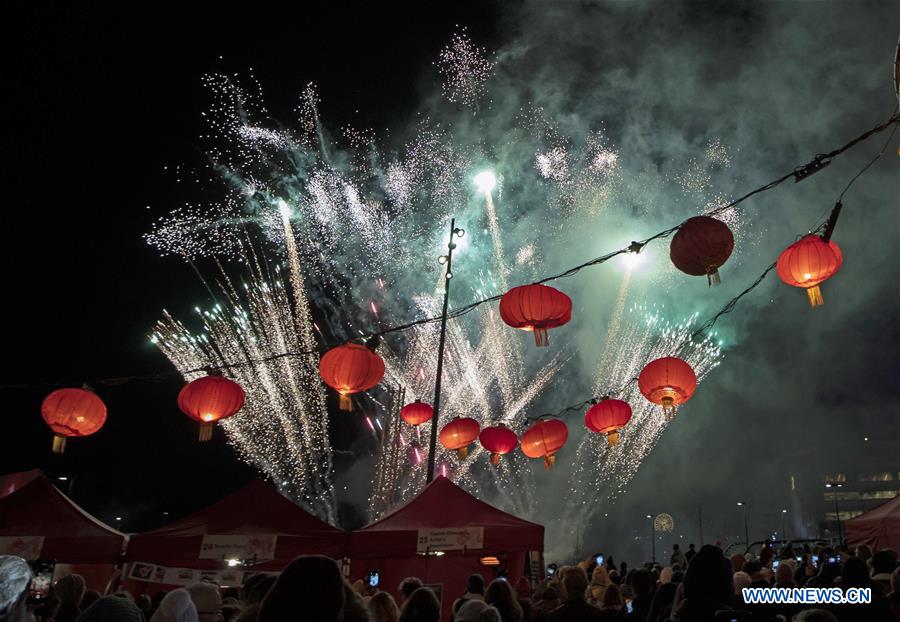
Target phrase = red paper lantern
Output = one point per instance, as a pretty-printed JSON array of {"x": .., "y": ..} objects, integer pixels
[
  {"x": 498, "y": 440},
  {"x": 72, "y": 412},
  {"x": 536, "y": 308},
  {"x": 416, "y": 413},
  {"x": 209, "y": 399},
  {"x": 588, "y": 423},
  {"x": 544, "y": 439},
  {"x": 608, "y": 417},
  {"x": 351, "y": 368},
  {"x": 459, "y": 434},
  {"x": 808, "y": 262},
  {"x": 667, "y": 381},
  {"x": 701, "y": 246}
]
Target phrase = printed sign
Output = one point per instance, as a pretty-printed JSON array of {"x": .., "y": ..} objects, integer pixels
[
  {"x": 26, "y": 547},
  {"x": 154, "y": 573},
  {"x": 450, "y": 539},
  {"x": 258, "y": 547}
]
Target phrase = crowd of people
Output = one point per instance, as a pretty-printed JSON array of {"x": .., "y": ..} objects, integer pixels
[{"x": 694, "y": 586}]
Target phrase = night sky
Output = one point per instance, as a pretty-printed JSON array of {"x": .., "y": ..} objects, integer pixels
[{"x": 98, "y": 102}]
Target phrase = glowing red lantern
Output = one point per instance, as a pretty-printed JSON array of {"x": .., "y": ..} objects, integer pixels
[
  {"x": 209, "y": 399},
  {"x": 588, "y": 423},
  {"x": 544, "y": 439},
  {"x": 536, "y": 308},
  {"x": 667, "y": 381},
  {"x": 498, "y": 440},
  {"x": 808, "y": 262},
  {"x": 416, "y": 413},
  {"x": 608, "y": 417},
  {"x": 351, "y": 368},
  {"x": 701, "y": 246},
  {"x": 72, "y": 412},
  {"x": 459, "y": 434}
]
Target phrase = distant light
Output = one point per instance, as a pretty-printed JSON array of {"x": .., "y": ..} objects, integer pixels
[
  {"x": 648, "y": 516},
  {"x": 62, "y": 478},
  {"x": 118, "y": 518},
  {"x": 485, "y": 181},
  {"x": 784, "y": 511},
  {"x": 865, "y": 438},
  {"x": 489, "y": 561},
  {"x": 633, "y": 260},
  {"x": 233, "y": 562},
  {"x": 740, "y": 503},
  {"x": 438, "y": 553},
  {"x": 827, "y": 485}
]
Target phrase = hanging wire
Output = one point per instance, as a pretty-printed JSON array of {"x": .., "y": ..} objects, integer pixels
[{"x": 798, "y": 173}]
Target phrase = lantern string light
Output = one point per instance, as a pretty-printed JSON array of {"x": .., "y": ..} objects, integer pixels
[{"x": 798, "y": 173}]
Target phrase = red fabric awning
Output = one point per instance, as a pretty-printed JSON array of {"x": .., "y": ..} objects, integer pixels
[
  {"x": 70, "y": 534},
  {"x": 255, "y": 509},
  {"x": 443, "y": 504},
  {"x": 878, "y": 528}
]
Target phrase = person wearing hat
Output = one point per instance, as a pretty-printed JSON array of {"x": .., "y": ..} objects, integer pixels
[
  {"x": 15, "y": 575},
  {"x": 207, "y": 599},
  {"x": 177, "y": 606}
]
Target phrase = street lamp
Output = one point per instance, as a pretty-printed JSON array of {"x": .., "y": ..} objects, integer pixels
[
  {"x": 784, "y": 535},
  {"x": 652, "y": 538},
  {"x": 837, "y": 512},
  {"x": 743, "y": 504}
]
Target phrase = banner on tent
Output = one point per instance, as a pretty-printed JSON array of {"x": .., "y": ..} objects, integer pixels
[
  {"x": 26, "y": 547},
  {"x": 154, "y": 573},
  {"x": 258, "y": 547},
  {"x": 451, "y": 539}
]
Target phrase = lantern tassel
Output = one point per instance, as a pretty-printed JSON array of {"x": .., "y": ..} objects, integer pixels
[
  {"x": 712, "y": 278},
  {"x": 462, "y": 452},
  {"x": 815, "y": 296},
  {"x": 495, "y": 459},
  {"x": 345, "y": 403},
  {"x": 668, "y": 405},
  {"x": 549, "y": 461},
  {"x": 59, "y": 444},
  {"x": 206, "y": 430},
  {"x": 541, "y": 338},
  {"x": 612, "y": 439}
]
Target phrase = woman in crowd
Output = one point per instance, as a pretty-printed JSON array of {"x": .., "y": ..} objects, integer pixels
[
  {"x": 421, "y": 606},
  {"x": 176, "y": 606},
  {"x": 382, "y": 608},
  {"x": 500, "y": 595}
]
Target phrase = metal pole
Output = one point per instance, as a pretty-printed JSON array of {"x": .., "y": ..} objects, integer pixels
[
  {"x": 448, "y": 274},
  {"x": 746, "y": 528},
  {"x": 700, "y": 521},
  {"x": 652, "y": 539},
  {"x": 837, "y": 515}
]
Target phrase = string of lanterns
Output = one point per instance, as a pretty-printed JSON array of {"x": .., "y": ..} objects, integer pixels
[{"x": 701, "y": 245}]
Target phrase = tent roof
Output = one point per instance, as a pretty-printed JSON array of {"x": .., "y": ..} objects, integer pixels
[
  {"x": 878, "y": 528},
  {"x": 257, "y": 508},
  {"x": 443, "y": 504},
  {"x": 70, "y": 534},
  {"x": 11, "y": 482}
]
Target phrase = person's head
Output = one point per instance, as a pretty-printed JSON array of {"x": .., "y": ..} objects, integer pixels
[
  {"x": 690, "y": 547},
  {"x": 737, "y": 562},
  {"x": 382, "y": 608},
  {"x": 501, "y": 596},
  {"x": 207, "y": 600},
  {"x": 477, "y": 611},
  {"x": 863, "y": 552},
  {"x": 176, "y": 606},
  {"x": 612, "y": 598},
  {"x": 575, "y": 582},
  {"x": 409, "y": 585},
  {"x": 675, "y": 548},
  {"x": 354, "y": 605},
  {"x": 751, "y": 567},
  {"x": 70, "y": 589},
  {"x": 421, "y": 606},
  {"x": 143, "y": 602},
  {"x": 855, "y": 573},
  {"x": 665, "y": 575},
  {"x": 259, "y": 589},
  {"x": 895, "y": 580},
  {"x": 90, "y": 597},
  {"x": 814, "y": 615},
  {"x": 883, "y": 561},
  {"x": 785, "y": 573},
  {"x": 15, "y": 575},
  {"x": 249, "y": 583},
  {"x": 642, "y": 582},
  {"x": 677, "y": 576},
  {"x": 475, "y": 585},
  {"x": 311, "y": 582},
  {"x": 116, "y": 609},
  {"x": 709, "y": 576},
  {"x": 741, "y": 580},
  {"x": 600, "y": 576}
]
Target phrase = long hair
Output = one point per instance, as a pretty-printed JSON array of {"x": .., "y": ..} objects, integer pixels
[
  {"x": 421, "y": 606},
  {"x": 382, "y": 608},
  {"x": 500, "y": 595}
]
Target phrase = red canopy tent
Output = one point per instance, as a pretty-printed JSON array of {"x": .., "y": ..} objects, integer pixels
[
  {"x": 37, "y": 521},
  {"x": 11, "y": 482},
  {"x": 440, "y": 536},
  {"x": 255, "y": 520},
  {"x": 879, "y": 528}
]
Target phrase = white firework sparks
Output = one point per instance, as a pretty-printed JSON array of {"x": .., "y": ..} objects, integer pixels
[{"x": 465, "y": 69}]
